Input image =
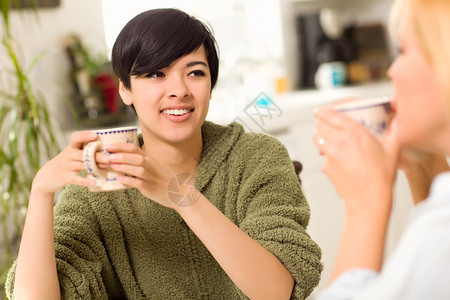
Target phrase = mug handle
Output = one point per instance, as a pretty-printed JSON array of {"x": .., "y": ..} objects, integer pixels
[{"x": 89, "y": 160}]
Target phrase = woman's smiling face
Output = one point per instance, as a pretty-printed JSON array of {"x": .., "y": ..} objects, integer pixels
[{"x": 172, "y": 103}]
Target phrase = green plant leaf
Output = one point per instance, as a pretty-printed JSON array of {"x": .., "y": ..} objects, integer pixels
[
  {"x": 4, "y": 111},
  {"x": 35, "y": 61},
  {"x": 26, "y": 137},
  {"x": 3, "y": 161},
  {"x": 33, "y": 142},
  {"x": 4, "y": 5},
  {"x": 5, "y": 273}
]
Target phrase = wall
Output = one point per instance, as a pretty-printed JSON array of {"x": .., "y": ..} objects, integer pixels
[{"x": 45, "y": 31}]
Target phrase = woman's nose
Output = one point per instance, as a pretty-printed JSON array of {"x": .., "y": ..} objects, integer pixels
[
  {"x": 177, "y": 88},
  {"x": 392, "y": 69}
]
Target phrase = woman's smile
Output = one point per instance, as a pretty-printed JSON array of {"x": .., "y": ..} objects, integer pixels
[{"x": 177, "y": 114}]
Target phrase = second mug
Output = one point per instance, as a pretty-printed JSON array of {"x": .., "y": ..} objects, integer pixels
[{"x": 373, "y": 113}]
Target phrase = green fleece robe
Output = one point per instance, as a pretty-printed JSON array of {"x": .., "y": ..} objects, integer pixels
[{"x": 122, "y": 245}]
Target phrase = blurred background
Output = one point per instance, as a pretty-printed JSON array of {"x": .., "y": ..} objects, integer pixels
[{"x": 280, "y": 59}]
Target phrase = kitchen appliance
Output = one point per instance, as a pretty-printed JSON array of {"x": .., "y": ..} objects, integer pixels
[{"x": 317, "y": 47}]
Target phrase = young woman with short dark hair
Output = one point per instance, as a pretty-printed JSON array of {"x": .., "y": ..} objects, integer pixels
[{"x": 241, "y": 232}]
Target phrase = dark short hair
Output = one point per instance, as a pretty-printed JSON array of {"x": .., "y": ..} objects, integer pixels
[{"x": 155, "y": 38}]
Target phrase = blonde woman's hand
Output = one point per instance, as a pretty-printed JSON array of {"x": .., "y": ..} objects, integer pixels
[
  {"x": 414, "y": 160},
  {"x": 63, "y": 168},
  {"x": 420, "y": 169},
  {"x": 361, "y": 167},
  {"x": 419, "y": 166}
]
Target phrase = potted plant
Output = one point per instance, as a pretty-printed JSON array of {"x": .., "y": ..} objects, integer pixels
[
  {"x": 96, "y": 99},
  {"x": 27, "y": 139}
]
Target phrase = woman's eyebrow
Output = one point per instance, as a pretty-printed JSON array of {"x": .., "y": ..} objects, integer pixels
[{"x": 193, "y": 63}]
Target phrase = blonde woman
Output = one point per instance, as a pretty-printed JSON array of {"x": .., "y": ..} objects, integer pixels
[{"x": 363, "y": 169}]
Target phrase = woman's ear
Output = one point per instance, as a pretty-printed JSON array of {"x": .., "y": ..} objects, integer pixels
[{"x": 125, "y": 94}]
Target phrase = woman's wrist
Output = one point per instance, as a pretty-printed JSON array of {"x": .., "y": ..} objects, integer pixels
[
  {"x": 38, "y": 192},
  {"x": 420, "y": 174},
  {"x": 374, "y": 203},
  {"x": 187, "y": 202}
]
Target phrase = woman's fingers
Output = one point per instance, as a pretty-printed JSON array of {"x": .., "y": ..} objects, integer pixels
[
  {"x": 74, "y": 151},
  {"x": 135, "y": 159},
  {"x": 76, "y": 166},
  {"x": 123, "y": 147},
  {"x": 333, "y": 129},
  {"x": 79, "y": 138},
  {"x": 342, "y": 100},
  {"x": 138, "y": 171},
  {"x": 123, "y": 153},
  {"x": 124, "y": 158},
  {"x": 330, "y": 118}
]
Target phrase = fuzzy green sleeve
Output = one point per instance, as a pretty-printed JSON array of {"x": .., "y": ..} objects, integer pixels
[
  {"x": 81, "y": 260},
  {"x": 273, "y": 210}
]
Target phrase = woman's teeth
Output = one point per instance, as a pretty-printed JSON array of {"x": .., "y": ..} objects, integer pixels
[{"x": 176, "y": 112}]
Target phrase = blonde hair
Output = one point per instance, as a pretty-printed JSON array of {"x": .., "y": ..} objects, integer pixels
[{"x": 430, "y": 21}]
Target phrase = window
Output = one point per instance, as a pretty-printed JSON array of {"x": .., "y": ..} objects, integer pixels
[{"x": 234, "y": 22}]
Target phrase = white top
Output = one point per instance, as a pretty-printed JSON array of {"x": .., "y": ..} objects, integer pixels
[{"x": 419, "y": 267}]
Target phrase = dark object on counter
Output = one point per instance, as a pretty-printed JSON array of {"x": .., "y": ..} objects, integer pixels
[
  {"x": 372, "y": 59},
  {"x": 315, "y": 48},
  {"x": 298, "y": 169}
]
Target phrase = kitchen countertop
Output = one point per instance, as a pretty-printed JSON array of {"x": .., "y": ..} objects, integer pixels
[{"x": 273, "y": 115}]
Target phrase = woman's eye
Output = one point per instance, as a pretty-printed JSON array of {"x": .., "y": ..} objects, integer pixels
[
  {"x": 156, "y": 74},
  {"x": 400, "y": 48},
  {"x": 197, "y": 73}
]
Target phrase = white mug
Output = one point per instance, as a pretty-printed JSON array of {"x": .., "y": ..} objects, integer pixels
[
  {"x": 106, "y": 179},
  {"x": 331, "y": 75},
  {"x": 373, "y": 113}
]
